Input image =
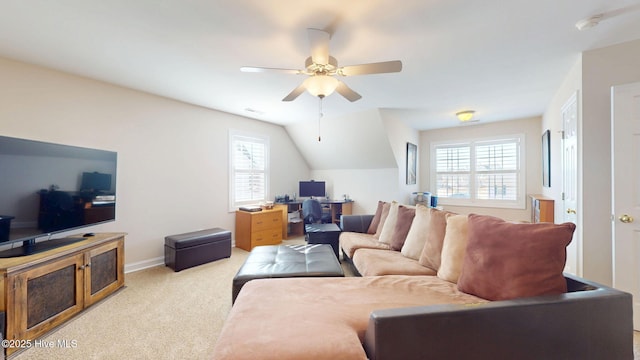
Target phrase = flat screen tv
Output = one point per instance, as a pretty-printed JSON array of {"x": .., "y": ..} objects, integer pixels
[
  {"x": 50, "y": 188},
  {"x": 312, "y": 189}
]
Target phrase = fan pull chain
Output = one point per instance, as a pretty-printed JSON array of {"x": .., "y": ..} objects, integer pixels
[{"x": 320, "y": 117}]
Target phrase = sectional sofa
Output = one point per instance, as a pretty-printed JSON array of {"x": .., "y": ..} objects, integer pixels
[{"x": 491, "y": 289}]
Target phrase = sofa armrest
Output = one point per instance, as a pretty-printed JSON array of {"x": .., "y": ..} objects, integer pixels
[
  {"x": 355, "y": 223},
  {"x": 590, "y": 324}
]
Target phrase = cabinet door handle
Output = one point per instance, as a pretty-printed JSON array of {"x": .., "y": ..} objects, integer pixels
[{"x": 81, "y": 267}]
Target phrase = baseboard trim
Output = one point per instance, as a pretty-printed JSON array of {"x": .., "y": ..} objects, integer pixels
[{"x": 144, "y": 264}]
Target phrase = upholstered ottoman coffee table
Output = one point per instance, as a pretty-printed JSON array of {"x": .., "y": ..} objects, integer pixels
[{"x": 282, "y": 261}]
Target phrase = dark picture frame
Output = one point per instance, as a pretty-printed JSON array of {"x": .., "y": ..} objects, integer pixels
[
  {"x": 546, "y": 159},
  {"x": 412, "y": 157}
]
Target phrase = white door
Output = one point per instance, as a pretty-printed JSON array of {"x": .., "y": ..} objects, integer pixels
[
  {"x": 625, "y": 197},
  {"x": 570, "y": 181}
]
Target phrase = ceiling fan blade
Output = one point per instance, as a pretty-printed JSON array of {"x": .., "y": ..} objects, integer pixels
[
  {"x": 346, "y": 91},
  {"x": 295, "y": 93},
  {"x": 264, "y": 69},
  {"x": 319, "y": 42},
  {"x": 373, "y": 68}
]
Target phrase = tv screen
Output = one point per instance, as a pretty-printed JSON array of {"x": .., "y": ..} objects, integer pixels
[
  {"x": 312, "y": 189},
  {"x": 49, "y": 188}
]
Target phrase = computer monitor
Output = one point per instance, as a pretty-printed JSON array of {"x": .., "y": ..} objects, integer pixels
[{"x": 312, "y": 189}]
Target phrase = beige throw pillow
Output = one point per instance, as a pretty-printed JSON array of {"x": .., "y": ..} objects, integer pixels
[
  {"x": 432, "y": 250},
  {"x": 453, "y": 248},
  {"x": 389, "y": 224},
  {"x": 416, "y": 237}
]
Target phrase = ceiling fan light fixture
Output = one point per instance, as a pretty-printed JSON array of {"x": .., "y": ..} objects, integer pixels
[
  {"x": 321, "y": 85},
  {"x": 465, "y": 115}
]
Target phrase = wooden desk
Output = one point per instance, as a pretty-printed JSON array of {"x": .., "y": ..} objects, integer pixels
[{"x": 336, "y": 208}]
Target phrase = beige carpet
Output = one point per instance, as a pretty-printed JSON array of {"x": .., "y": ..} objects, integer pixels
[{"x": 160, "y": 314}]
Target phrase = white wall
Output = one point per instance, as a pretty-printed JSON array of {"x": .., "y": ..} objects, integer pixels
[
  {"x": 364, "y": 186},
  {"x": 354, "y": 141},
  {"x": 172, "y": 156},
  {"x": 399, "y": 135},
  {"x": 533, "y": 138},
  {"x": 362, "y": 155},
  {"x": 601, "y": 69}
]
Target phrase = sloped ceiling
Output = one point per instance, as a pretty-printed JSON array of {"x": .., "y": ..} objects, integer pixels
[{"x": 354, "y": 141}]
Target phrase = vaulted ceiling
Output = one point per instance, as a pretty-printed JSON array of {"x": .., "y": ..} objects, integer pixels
[{"x": 503, "y": 59}]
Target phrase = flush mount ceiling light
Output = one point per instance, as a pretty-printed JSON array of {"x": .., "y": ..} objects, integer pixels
[{"x": 465, "y": 115}]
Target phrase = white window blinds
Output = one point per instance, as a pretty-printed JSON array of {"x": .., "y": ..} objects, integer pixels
[
  {"x": 249, "y": 169},
  {"x": 484, "y": 172}
]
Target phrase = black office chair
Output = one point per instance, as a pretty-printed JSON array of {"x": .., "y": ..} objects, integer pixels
[{"x": 311, "y": 211}]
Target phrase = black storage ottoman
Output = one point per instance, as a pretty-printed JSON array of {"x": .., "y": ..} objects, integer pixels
[
  {"x": 324, "y": 234},
  {"x": 187, "y": 250}
]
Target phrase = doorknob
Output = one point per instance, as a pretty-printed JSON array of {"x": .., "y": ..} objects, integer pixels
[
  {"x": 571, "y": 211},
  {"x": 626, "y": 218}
]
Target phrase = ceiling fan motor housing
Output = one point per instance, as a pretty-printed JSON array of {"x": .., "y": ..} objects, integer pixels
[{"x": 321, "y": 69}]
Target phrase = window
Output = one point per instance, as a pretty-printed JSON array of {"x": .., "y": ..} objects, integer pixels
[
  {"x": 485, "y": 172},
  {"x": 249, "y": 165}
]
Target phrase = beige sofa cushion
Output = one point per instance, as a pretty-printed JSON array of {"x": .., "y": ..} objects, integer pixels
[
  {"x": 376, "y": 262},
  {"x": 453, "y": 248},
  {"x": 389, "y": 224},
  {"x": 403, "y": 224},
  {"x": 506, "y": 260},
  {"x": 416, "y": 238},
  {"x": 432, "y": 250},
  {"x": 320, "y": 318},
  {"x": 352, "y": 241}
]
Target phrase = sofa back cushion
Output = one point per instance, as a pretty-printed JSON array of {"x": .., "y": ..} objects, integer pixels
[
  {"x": 386, "y": 233},
  {"x": 416, "y": 237},
  {"x": 506, "y": 260},
  {"x": 403, "y": 224},
  {"x": 432, "y": 249},
  {"x": 454, "y": 247},
  {"x": 373, "y": 227},
  {"x": 383, "y": 218}
]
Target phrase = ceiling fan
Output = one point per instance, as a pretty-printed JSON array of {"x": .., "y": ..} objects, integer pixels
[{"x": 322, "y": 69}]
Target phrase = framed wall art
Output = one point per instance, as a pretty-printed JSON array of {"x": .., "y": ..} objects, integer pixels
[
  {"x": 546, "y": 159},
  {"x": 412, "y": 157}
]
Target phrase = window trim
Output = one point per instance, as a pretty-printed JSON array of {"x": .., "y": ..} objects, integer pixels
[
  {"x": 518, "y": 203},
  {"x": 233, "y": 134}
]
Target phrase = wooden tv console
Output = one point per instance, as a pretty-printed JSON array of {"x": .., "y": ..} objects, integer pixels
[{"x": 42, "y": 291}]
